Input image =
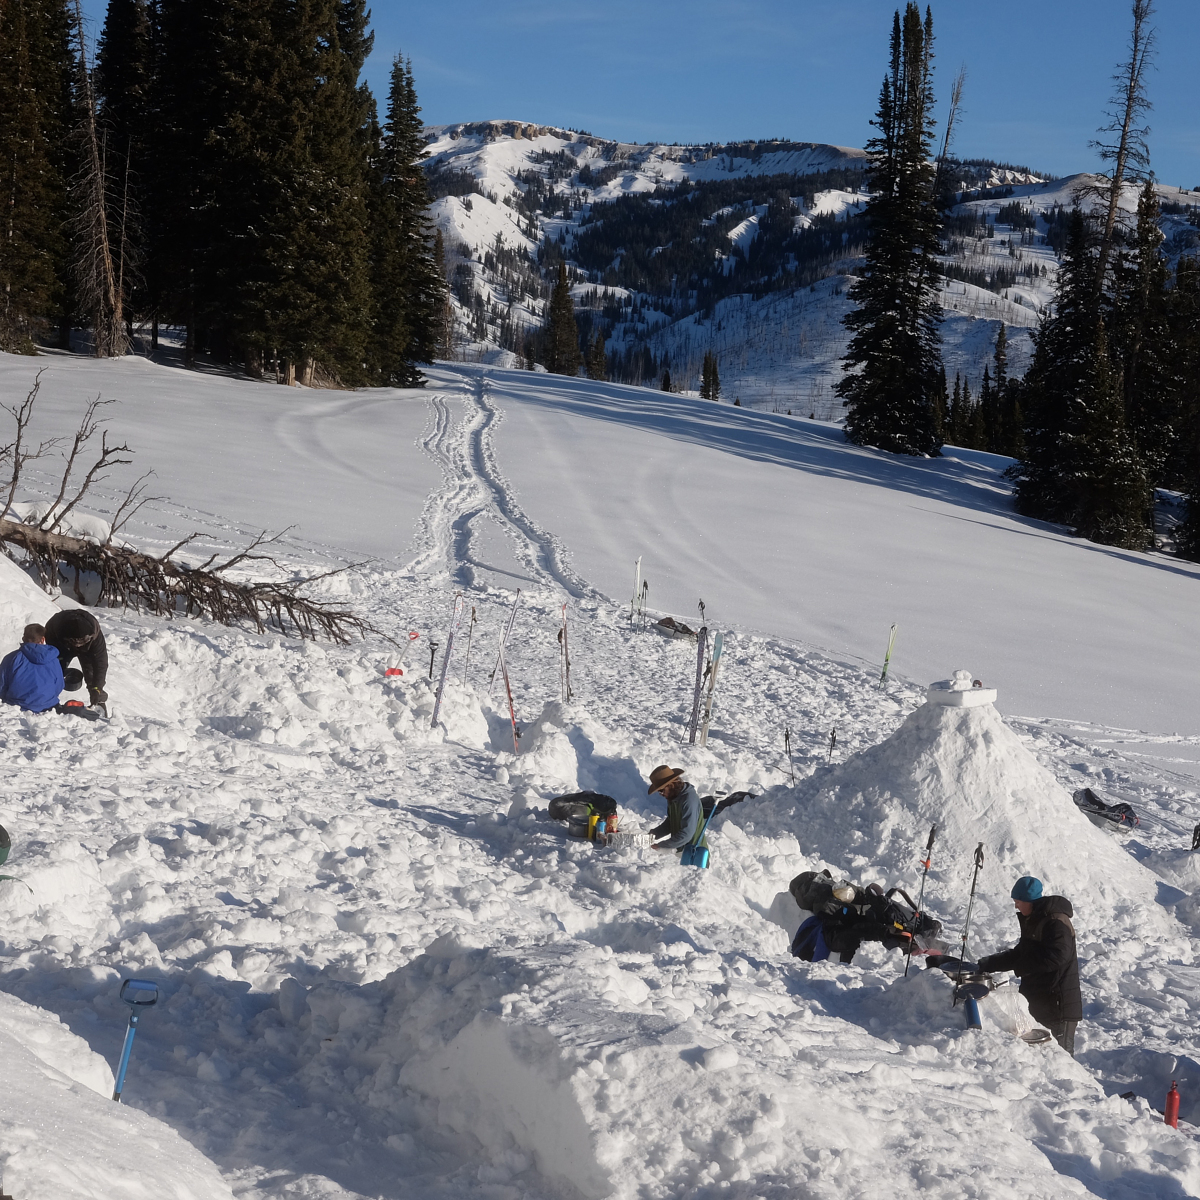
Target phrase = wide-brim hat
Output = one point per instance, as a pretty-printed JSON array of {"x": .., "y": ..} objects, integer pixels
[{"x": 661, "y": 776}]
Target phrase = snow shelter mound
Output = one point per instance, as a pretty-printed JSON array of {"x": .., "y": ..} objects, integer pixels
[{"x": 966, "y": 771}]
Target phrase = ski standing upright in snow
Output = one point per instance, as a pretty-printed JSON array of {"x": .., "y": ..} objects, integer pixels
[
  {"x": 504, "y": 641},
  {"x": 637, "y": 587},
  {"x": 564, "y": 658},
  {"x": 701, "y": 654},
  {"x": 512, "y": 712},
  {"x": 470, "y": 638},
  {"x": 455, "y": 621},
  {"x": 712, "y": 683},
  {"x": 887, "y": 658}
]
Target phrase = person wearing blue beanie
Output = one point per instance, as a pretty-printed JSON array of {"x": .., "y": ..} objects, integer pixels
[
  {"x": 1046, "y": 960},
  {"x": 1027, "y": 888}
]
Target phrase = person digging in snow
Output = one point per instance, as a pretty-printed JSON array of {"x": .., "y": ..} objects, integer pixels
[
  {"x": 684, "y": 810},
  {"x": 1045, "y": 959},
  {"x": 75, "y": 633},
  {"x": 31, "y": 676}
]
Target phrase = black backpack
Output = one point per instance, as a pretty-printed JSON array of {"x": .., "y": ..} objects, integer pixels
[{"x": 578, "y": 807}]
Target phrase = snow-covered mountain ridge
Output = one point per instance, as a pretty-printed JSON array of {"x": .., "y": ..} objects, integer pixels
[{"x": 514, "y": 197}]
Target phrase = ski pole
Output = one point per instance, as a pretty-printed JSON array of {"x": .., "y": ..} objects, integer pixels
[
  {"x": 887, "y": 658},
  {"x": 645, "y": 602},
  {"x": 787, "y": 745},
  {"x": 138, "y": 994},
  {"x": 921, "y": 893},
  {"x": 470, "y": 635},
  {"x": 970, "y": 905}
]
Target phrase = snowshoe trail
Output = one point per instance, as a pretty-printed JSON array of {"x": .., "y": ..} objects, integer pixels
[{"x": 474, "y": 491}]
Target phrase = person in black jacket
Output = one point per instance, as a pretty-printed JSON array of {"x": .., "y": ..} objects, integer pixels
[
  {"x": 75, "y": 633},
  {"x": 1045, "y": 959}
]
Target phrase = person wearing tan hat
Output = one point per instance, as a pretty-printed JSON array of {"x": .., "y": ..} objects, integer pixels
[{"x": 684, "y": 810}]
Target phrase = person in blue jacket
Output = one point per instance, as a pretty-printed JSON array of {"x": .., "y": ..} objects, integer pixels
[
  {"x": 684, "y": 809},
  {"x": 32, "y": 675}
]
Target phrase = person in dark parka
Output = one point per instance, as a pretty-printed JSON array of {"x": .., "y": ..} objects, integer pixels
[
  {"x": 75, "y": 633},
  {"x": 1045, "y": 959}
]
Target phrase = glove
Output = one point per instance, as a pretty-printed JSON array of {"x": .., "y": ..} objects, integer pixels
[
  {"x": 985, "y": 964},
  {"x": 97, "y": 696}
]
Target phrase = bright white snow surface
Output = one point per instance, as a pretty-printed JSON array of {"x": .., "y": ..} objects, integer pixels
[{"x": 386, "y": 973}]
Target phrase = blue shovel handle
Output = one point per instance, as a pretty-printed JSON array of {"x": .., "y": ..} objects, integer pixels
[{"x": 126, "y": 1050}]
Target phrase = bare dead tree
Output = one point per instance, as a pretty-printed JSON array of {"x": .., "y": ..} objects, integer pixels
[
  {"x": 98, "y": 276},
  {"x": 1124, "y": 143},
  {"x": 956, "y": 95},
  {"x": 18, "y": 450},
  {"x": 162, "y": 584}
]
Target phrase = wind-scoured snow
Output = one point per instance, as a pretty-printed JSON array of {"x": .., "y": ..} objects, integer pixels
[{"x": 386, "y": 972}]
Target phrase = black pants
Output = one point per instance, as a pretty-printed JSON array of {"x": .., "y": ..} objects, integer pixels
[{"x": 1064, "y": 1035}]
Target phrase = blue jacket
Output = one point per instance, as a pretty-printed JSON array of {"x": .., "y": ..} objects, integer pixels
[{"x": 32, "y": 677}]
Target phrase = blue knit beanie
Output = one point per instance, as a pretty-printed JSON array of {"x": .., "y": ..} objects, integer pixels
[{"x": 1027, "y": 888}]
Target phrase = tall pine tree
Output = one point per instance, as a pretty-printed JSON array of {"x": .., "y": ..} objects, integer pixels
[
  {"x": 1081, "y": 467},
  {"x": 407, "y": 279},
  {"x": 561, "y": 334},
  {"x": 894, "y": 359},
  {"x": 36, "y": 115}
]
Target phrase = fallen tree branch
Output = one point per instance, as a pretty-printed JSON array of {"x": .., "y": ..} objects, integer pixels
[{"x": 167, "y": 588}]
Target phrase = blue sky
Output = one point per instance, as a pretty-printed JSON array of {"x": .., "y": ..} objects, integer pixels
[{"x": 1039, "y": 73}]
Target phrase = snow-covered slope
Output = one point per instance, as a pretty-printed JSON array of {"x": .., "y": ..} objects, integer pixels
[{"x": 386, "y": 973}]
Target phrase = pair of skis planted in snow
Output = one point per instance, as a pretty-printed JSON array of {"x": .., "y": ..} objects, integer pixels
[
  {"x": 702, "y": 713},
  {"x": 501, "y": 664}
]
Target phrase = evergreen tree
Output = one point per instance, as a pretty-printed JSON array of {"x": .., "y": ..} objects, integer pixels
[
  {"x": 1185, "y": 321},
  {"x": 1057, "y": 384},
  {"x": 1081, "y": 467},
  {"x": 36, "y": 76},
  {"x": 959, "y": 415},
  {"x": 989, "y": 413},
  {"x": 1144, "y": 346},
  {"x": 941, "y": 407},
  {"x": 562, "y": 329},
  {"x": 1113, "y": 491},
  {"x": 408, "y": 278},
  {"x": 894, "y": 357},
  {"x": 597, "y": 365},
  {"x": 666, "y": 381},
  {"x": 710, "y": 377},
  {"x": 976, "y": 425}
]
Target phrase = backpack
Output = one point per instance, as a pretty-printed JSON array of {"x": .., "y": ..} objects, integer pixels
[{"x": 578, "y": 807}]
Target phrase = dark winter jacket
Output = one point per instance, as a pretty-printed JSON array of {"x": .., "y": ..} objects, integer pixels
[
  {"x": 32, "y": 677},
  {"x": 75, "y": 633},
  {"x": 1046, "y": 961}
]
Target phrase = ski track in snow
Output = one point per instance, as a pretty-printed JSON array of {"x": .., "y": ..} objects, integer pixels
[{"x": 474, "y": 490}]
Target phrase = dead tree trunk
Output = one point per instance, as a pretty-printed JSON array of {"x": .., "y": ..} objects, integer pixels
[{"x": 97, "y": 273}]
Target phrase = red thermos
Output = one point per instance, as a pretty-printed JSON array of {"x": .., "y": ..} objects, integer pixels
[{"x": 1171, "y": 1112}]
